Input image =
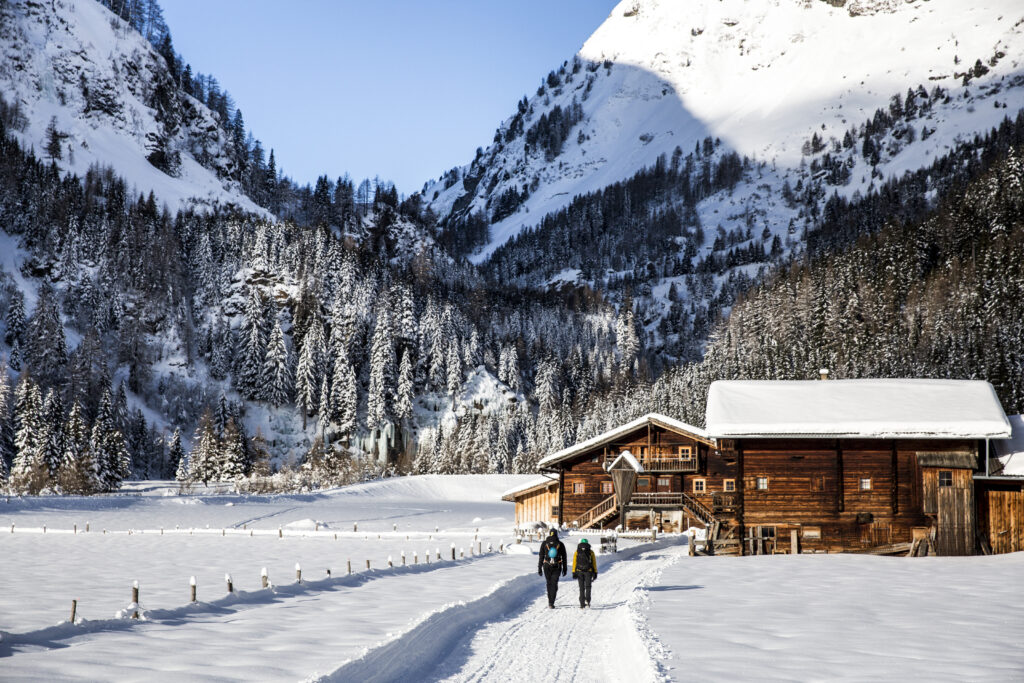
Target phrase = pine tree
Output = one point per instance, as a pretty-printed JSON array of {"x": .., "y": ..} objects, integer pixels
[
  {"x": 176, "y": 453},
  {"x": 54, "y": 434},
  {"x": 454, "y": 380},
  {"x": 382, "y": 375},
  {"x": 344, "y": 400},
  {"x": 77, "y": 470},
  {"x": 203, "y": 460},
  {"x": 232, "y": 454},
  {"x": 276, "y": 370},
  {"x": 405, "y": 392},
  {"x": 6, "y": 420},
  {"x": 15, "y": 318},
  {"x": 309, "y": 374},
  {"x": 253, "y": 351},
  {"x": 29, "y": 473},
  {"x": 45, "y": 347}
]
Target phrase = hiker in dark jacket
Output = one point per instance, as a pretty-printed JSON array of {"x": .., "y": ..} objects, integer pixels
[
  {"x": 551, "y": 562},
  {"x": 584, "y": 570}
]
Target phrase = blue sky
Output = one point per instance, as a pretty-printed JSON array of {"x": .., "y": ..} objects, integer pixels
[{"x": 400, "y": 89}]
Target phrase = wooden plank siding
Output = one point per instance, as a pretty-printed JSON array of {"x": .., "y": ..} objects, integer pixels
[
  {"x": 537, "y": 505},
  {"x": 850, "y": 493},
  {"x": 1001, "y": 519}
]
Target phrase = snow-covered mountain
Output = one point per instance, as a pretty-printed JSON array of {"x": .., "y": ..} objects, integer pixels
[
  {"x": 83, "y": 77},
  {"x": 763, "y": 77}
]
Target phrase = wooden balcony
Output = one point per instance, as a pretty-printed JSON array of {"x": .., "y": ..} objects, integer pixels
[
  {"x": 725, "y": 502},
  {"x": 664, "y": 462}
]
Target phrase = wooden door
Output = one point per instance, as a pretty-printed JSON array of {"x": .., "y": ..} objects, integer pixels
[
  {"x": 644, "y": 484},
  {"x": 954, "y": 512},
  {"x": 1006, "y": 521},
  {"x": 663, "y": 484}
]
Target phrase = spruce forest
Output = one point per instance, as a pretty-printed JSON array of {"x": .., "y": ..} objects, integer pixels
[{"x": 311, "y": 335}]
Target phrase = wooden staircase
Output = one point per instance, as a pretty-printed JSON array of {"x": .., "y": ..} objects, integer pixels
[{"x": 597, "y": 514}]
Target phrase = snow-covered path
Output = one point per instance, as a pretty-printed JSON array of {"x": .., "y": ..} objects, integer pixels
[
  {"x": 607, "y": 642},
  {"x": 511, "y": 635}
]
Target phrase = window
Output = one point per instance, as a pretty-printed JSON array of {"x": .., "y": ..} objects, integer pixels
[
  {"x": 643, "y": 481},
  {"x": 554, "y": 511},
  {"x": 683, "y": 451},
  {"x": 865, "y": 484},
  {"x": 762, "y": 483},
  {"x": 698, "y": 486},
  {"x": 664, "y": 481},
  {"x": 818, "y": 483},
  {"x": 945, "y": 478},
  {"x": 729, "y": 485},
  {"x": 578, "y": 487},
  {"x": 606, "y": 487}
]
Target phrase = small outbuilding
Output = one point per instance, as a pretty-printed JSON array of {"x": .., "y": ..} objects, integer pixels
[{"x": 536, "y": 501}]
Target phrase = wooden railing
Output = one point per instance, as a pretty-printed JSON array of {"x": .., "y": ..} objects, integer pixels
[
  {"x": 663, "y": 463},
  {"x": 656, "y": 464},
  {"x": 699, "y": 510},
  {"x": 595, "y": 513},
  {"x": 724, "y": 502}
]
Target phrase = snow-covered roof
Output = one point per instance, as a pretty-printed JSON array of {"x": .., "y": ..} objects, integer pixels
[
  {"x": 867, "y": 408},
  {"x": 531, "y": 484},
  {"x": 612, "y": 434},
  {"x": 1010, "y": 453},
  {"x": 628, "y": 457}
]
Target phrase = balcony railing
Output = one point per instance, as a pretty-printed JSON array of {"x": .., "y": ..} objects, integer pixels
[
  {"x": 725, "y": 502},
  {"x": 664, "y": 463}
]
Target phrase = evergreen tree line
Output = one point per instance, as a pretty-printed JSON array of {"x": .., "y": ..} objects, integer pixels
[{"x": 45, "y": 447}]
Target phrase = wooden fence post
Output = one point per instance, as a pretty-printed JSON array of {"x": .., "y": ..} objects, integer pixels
[
  {"x": 328, "y": 572},
  {"x": 355, "y": 527},
  {"x": 192, "y": 587},
  {"x": 391, "y": 565},
  {"x": 403, "y": 558},
  {"x": 87, "y": 527},
  {"x": 350, "y": 566},
  {"x": 453, "y": 551},
  {"x": 76, "y": 529},
  {"x": 298, "y": 573},
  {"x": 231, "y": 586},
  {"x": 264, "y": 579},
  {"x": 135, "y": 599},
  {"x": 415, "y": 558},
  {"x": 74, "y": 609},
  {"x": 462, "y": 553},
  {"x": 280, "y": 532},
  {"x": 367, "y": 565}
]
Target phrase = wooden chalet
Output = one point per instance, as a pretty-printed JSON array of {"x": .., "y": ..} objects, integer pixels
[
  {"x": 880, "y": 466},
  {"x": 677, "y": 477}
]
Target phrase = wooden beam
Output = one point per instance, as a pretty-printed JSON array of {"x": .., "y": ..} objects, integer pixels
[
  {"x": 895, "y": 480},
  {"x": 561, "y": 496},
  {"x": 841, "y": 484}
]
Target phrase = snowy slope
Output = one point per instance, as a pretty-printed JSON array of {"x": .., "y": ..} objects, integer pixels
[
  {"x": 762, "y": 77},
  {"x": 112, "y": 96}
]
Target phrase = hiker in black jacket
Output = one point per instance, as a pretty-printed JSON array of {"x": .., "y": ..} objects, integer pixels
[
  {"x": 551, "y": 561},
  {"x": 584, "y": 570}
]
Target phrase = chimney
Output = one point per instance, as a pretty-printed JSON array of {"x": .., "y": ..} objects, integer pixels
[{"x": 823, "y": 373}]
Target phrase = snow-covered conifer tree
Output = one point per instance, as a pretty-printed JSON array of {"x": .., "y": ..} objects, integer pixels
[
  {"x": 77, "y": 470},
  {"x": 344, "y": 400},
  {"x": 232, "y": 454},
  {"x": 203, "y": 460},
  {"x": 29, "y": 472},
  {"x": 177, "y": 455},
  {"x": 406, "y": 391},
  {"x": 253, "y": 348},
  {"x": 454, "y": 379},
  {"x": 277, "y": 370},
  {"x": 382, "y": 375}
]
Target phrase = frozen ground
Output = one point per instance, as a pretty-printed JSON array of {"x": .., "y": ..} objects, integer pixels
[{"x": 657, "y": 614}]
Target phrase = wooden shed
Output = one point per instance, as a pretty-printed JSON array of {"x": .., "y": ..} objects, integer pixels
[{"x": 536, "y": 501}]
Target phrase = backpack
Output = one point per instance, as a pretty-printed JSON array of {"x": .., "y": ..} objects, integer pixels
[
  {"x": 583, "y": 558},
  {"x": 551, "y": 554}
]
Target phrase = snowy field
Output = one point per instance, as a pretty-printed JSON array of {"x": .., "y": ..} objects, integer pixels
[{"x": 657, "y": 613}]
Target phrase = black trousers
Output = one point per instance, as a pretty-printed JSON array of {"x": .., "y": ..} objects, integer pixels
[
  {"x": 551, "y": 572},
  {"x": 584, "y": 579}
]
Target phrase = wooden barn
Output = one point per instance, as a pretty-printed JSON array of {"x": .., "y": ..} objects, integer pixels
[
  {"x": 876, "y": 465},
  {"x": 866, "y": 464}
]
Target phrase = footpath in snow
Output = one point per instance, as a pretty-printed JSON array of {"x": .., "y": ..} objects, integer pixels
[{"x": 510, "y": 634}]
